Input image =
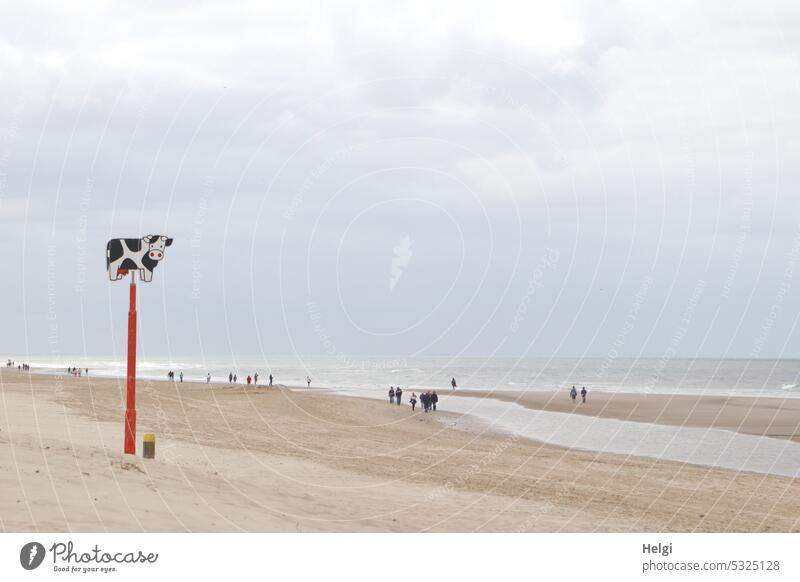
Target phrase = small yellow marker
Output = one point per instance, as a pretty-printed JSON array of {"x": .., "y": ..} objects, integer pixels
[{"x": 149, "y": 447}]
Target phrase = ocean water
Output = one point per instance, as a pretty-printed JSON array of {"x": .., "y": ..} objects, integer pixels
[{"x": 773, "y": 378}]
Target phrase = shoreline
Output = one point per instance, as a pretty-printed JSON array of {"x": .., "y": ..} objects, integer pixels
[
  {"x": 768, "y": 416},
  {"x": 478, "y": 392}
]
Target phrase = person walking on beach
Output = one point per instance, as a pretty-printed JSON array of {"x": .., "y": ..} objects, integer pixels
[
  {"x": 425, "y": 399},
  {"x": 398, "y": 394},
  {"x": 255, "y": 378},
  {"x": 413, "y": 401},
  {"x": 249, "y": 379},
  {"x": 391, "y": 394},
  {"x": 434, "y": 399},
  {"x": 208, "y": 378},
  {"x": 573, "y": 393},
  {"x": 234, "y": 378},
  {"x": 308, "y": 381},
  {"x": 583, "y": 395},
  {"x": 270, "y": 379},
  {"x": 181, "y": 376},
  {"x": 453, "y": 383}
]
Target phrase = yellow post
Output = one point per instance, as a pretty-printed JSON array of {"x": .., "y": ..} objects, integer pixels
[{"x": 149, "y": 448}]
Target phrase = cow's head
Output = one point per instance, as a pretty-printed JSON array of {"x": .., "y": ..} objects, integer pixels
[{"x": 156, "y": 244}]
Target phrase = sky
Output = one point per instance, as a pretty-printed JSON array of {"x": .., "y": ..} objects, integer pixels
[{"x": 578, "y": 179}]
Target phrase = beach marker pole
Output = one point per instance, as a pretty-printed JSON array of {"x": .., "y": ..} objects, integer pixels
[
  {"x": 125, "y": 255},
  {"x": 130, "y": 409}
]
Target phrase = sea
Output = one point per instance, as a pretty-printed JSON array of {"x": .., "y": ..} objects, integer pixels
[{"x": 778, "y": 378}]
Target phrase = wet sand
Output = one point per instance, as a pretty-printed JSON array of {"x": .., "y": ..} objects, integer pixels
[{"x": 772, "y": 417}]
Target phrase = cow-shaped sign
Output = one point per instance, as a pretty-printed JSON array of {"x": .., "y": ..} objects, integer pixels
[{"x": 135, "y": 254}]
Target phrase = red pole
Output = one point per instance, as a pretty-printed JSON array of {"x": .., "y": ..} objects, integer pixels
[{"x": 130, "y": 410}]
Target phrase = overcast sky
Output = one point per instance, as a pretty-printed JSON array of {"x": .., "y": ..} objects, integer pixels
[{"x": 587, "y": 179}]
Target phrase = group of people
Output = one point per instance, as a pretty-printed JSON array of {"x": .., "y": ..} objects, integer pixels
[
  {"x": 233, "y": 378},
  {"x": 574, "y": 394},
  {"x": 72, "y": 370},
  {"x": 395, "y": 395},
  {"x": 21, "y": 367},
  {"x": 427, "y": 399}
]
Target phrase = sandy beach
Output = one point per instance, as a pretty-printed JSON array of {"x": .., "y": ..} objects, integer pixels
[
  {"x": 772, "y": 417},
  {"x": 258, "y": 459}
]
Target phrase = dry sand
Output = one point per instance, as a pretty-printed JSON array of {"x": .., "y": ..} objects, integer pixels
[
  {"x": 234, "y": 459},
  {"x": 773, "y": 417}
]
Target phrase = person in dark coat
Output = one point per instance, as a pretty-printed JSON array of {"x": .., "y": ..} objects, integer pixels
[
  {"x": 583, "y": 394},
  {"x": 398, "y": 394},
  {"x": 413, "y": 401},
  {"x": 424, "y": 398},
  {"x": 391, "y": 394},
  {"x": 434, "y": 399}
]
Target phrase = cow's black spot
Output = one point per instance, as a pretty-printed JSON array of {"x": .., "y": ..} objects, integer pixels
[
  {"x": 134, "y": 244},
  {"x": 149, "y": 263},
  {"x": 128, "y": 264},
  {"x": 113, "y": 251}
]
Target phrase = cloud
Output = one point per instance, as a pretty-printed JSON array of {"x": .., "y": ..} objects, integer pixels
[{"x": 630, "y": 137}]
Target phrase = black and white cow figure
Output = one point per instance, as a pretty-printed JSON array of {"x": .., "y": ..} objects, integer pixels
[{"x": 135, "y": 254}]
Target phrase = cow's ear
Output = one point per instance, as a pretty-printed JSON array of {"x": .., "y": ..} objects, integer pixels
[{"x": 169, "y": 242}]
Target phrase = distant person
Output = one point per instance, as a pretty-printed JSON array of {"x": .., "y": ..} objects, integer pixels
[
  {"x": 181, "y": 376},
  {"x": 249, "y": 379},
  {"x": 234, "y": 378},
  {"x": 308, "y": 381},
  {"x": 87, "y": 371},
  {"x": 453, "y": 383},
  {"x": 230, "y": 377},
  {"x": 434, "y": 399},
  {"x": 413, "y": 401},
  {"x": 425, "y": 399},
  {"x": 398, "y": 394},
  {"x": 583, "y": 394},
  {"x": 255, "y": 378},
  {"x": 270, "y": 379},
  {"x": 391, "y": 394},
  {"x": 573, "y": 393},
  {"x": 208, "y": 378}
]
